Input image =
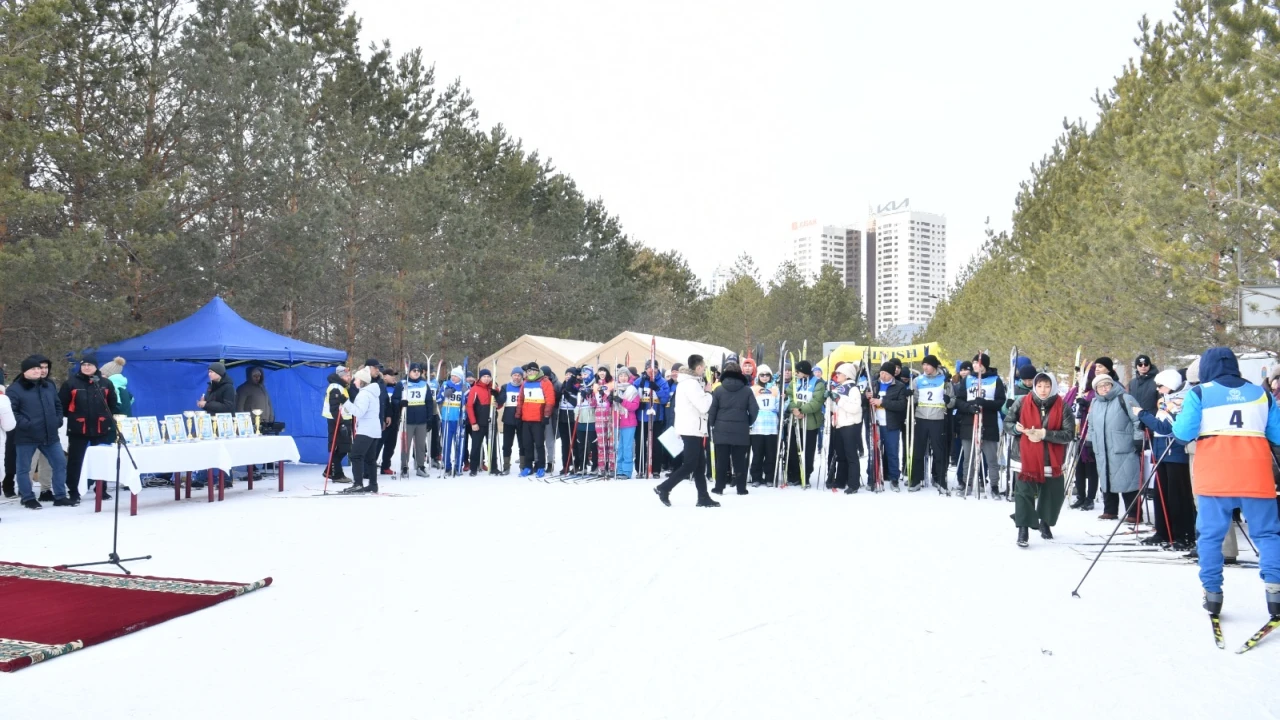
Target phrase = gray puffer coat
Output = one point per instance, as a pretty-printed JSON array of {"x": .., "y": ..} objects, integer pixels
[{"x": 1113, "y": 433}]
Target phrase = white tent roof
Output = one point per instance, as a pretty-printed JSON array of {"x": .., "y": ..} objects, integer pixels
[{"x": 565, "y": 348}]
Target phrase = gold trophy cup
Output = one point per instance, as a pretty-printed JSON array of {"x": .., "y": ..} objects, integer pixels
[
  {"x": 257, "y": 422},
  {"x": 190, "y": 416}
]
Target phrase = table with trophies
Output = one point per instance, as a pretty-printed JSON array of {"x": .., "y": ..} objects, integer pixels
[{"x": 186, "y": 443}]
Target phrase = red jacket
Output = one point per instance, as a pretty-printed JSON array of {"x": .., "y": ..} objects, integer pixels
[
  {"x": 537, "y": 400},
  {"x": 481, "y": 396}
]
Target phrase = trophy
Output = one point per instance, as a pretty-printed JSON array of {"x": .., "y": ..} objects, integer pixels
[
  {"x": 190, "y": 415},
  {"x": 257, "y": 422}
]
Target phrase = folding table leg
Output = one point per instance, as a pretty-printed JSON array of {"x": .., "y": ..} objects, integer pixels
[
  {"x": 209, "y": 484},
  {"x": 188, "y": 484},
  {"x": 97, "y": 495},
  {"x": 177, "y": 486},
  {"x": 221, "y": 485},
  {"x": 280, "y": 473},
  {"x": 250, "y": 477},
  {"x": 133, "y": 503}
]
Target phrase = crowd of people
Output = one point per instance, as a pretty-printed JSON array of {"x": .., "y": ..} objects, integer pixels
[{"x": 1197, "y": 442}]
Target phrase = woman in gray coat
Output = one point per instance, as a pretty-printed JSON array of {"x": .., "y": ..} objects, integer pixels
[{"x": 1116, "y": 442}]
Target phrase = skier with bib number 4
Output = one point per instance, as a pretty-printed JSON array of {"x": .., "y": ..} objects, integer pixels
[{"x": 1234, "y": 424}]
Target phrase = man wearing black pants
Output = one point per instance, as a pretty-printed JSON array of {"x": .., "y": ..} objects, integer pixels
[
  {"x": 693, "y": 403},
  {"x": 392, "y": 432},
  {"x": 88, "y": 402},
  {"x": 933, "y": 399}
]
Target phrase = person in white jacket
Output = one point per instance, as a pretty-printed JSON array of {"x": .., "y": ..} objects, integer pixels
[
  {"x": 367, "y": 411},
  {"x": 692, "y": 403},
  {"x": 844, "y": 401},
  {"x": 7, "y": 422}
]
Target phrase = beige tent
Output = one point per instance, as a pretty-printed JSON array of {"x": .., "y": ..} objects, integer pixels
[
  {"x": 556, "y": 352},
  {"x": 670, "y": 350}
]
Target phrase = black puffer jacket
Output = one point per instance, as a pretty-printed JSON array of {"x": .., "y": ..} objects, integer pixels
[
  {"x": 1143, "y": 389},
  {"x": 37, "y": 410},
  {"x": 220, "y": 397},
  {"x": 89, "y": 402},
  {"x": 733, "y": 410},
  {"x": 894, "y": 402}
]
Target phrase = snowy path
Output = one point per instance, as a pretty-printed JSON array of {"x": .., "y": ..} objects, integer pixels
[{"x": 505, "y": 598}]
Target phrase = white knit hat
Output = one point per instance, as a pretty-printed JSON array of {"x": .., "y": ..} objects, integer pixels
[
  {"x": 1171, "y": 379},
  {"x": 364, "y": 376},
  {"x": 1101, "y": 379},
  {"x": 847, "y": 370},
  {"x": 456, "y": 372},
  {"x": 763, "y": 370}
]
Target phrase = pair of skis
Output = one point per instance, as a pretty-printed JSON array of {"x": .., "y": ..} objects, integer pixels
[
  {"x": 1249, "y": 644},
  {"x": 875, "y": 465}
]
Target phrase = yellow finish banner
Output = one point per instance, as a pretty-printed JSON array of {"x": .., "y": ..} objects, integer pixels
[{"x": 908, "y": 354}]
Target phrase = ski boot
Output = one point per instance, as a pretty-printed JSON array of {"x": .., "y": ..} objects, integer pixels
[
  {"x": 895, "y": 487},
  {"x": 1213, "y": 602},
  {"x": 355, "y": 488},
  {"x": 371, "y": 488},
  {"x": 422, "y": 472},
  {"x": 1273, "y": 600},
  {"x": 541, "y": 473},
  {"x": 1022, "y": 537},
  {"x": 914, "y": 488},
  {"x": 852, "y": 489},
  {"x": 525, "y": 472},
  {"x": 707, "y": 502}
]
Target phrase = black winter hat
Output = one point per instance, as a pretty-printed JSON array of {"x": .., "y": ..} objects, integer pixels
[
  {"x": 1027, "y": 372},
  {"x": 965, "y": 365},
  {"x": 89, "y": 357},
  {"x": 33, "y": 361},
  {"x": 984, "y": 358},
  {"x": 675, "y": 367},
  {"x": 531, "y": 365},
  {"x": 571, "y": 371},
  {"x": 889, "y": 367},
  {"x": 218, "y": 368},
  {"x": 372, "y": 362},
  {"x": 804, "y": 367},
  {"x": 1107, "y": 363},
  {"x": 486, "y": 371},
  {"x": 1142, "y": 360},
  {"x": 932, "y": 361},
  {"x": 415, "y": 366}
]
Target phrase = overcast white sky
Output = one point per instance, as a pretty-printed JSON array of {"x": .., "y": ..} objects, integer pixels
[{"x": 710, "y": 126}]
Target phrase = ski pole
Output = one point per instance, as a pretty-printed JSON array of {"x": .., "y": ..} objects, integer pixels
[
  {"x": 333, "y": 445},
  {"x": 1076, "y": 593}
]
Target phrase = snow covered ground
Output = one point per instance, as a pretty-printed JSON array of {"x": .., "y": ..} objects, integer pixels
[{"x": 508, "y": 598}]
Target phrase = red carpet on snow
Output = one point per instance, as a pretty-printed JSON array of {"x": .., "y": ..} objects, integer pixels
[{"x": 46, "y": 612}]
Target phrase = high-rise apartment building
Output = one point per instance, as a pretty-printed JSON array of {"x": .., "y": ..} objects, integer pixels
[
  {"x": 909, "y": 249},
  {"x": 814, "y": 245}
]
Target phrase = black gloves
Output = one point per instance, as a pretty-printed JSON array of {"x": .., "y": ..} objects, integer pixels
[{"x": 1138, "y": 446}]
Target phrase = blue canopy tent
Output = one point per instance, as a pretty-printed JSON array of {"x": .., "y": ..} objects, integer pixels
[{"x": 168, "y": 370}]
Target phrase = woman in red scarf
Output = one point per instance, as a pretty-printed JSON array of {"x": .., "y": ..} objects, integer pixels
[{"x": 1043, "y": 429}]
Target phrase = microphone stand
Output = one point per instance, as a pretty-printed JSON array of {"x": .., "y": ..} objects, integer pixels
[{"x": 122, "y": 448}]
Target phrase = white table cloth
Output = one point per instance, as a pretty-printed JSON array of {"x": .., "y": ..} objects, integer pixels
[{"x": 100, "y": 460}]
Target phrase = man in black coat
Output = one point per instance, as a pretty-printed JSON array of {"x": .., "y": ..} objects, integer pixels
[
  {"x": 393, "y": 390},
  {"x": 888, "y": 402},
  {"x": 38, "y": 414},
  {"x": 733, "y": 410},
  {"x": 220, "y": 396},
  {"x": 89, "y": 402},
  {"x": 1143, "y": 385}
]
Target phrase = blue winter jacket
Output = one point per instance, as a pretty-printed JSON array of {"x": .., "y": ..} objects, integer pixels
[
  {"x": 1178, "y": 453},
  {"x": 451, "y": 397},
  {"x": 37, "y": 410},
  {"x": 663, "y": 391}
]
